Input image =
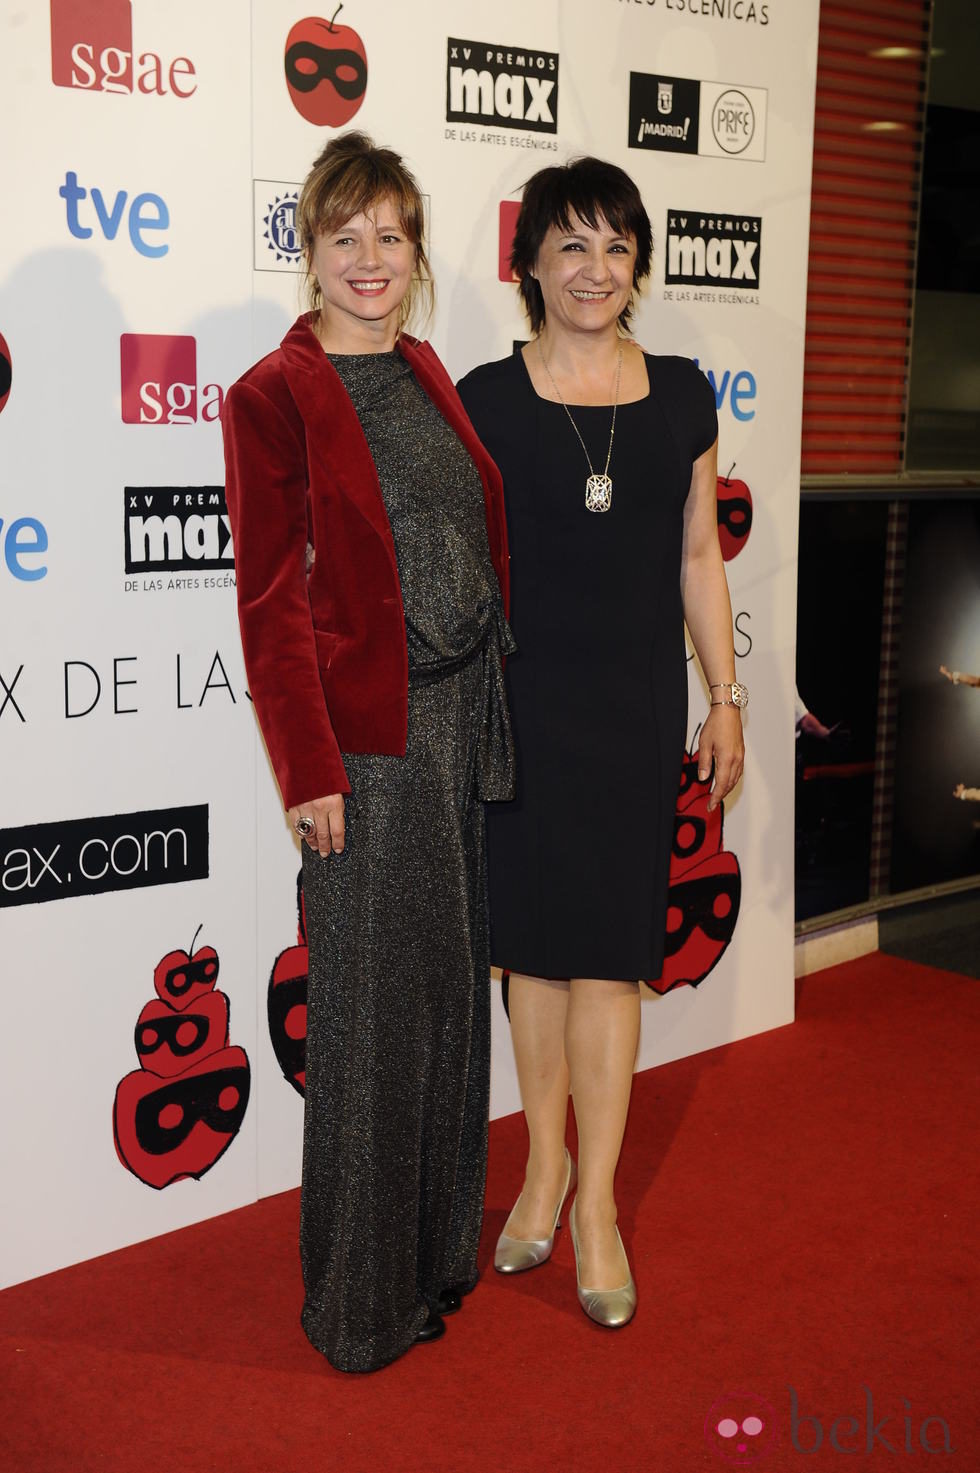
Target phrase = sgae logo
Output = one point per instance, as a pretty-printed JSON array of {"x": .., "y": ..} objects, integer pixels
[
  {"x": 326, "y": 70},
  {"x": 159, "y": 381},
  {"x": 92, "y": 51},
  {"x": 146, "y": 212},
  {"x": 509, "y": 211}
]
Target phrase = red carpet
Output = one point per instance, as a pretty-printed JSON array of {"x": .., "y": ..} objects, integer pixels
[{"x": 798, "y": 1207}]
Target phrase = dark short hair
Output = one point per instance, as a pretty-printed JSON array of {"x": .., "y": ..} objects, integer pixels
[{"x": 593, "y": 191}]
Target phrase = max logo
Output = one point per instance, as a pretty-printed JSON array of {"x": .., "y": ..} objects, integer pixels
[
  {"x": 286, "y": 1002},
  {"x": 705, "y": 887},
  {"x": 180, "y": 1111}
]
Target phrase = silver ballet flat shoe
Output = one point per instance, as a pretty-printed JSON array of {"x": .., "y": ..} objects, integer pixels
[
  {"x": 514, "y": 1255},
  {"x": 612, "y": 1308}
]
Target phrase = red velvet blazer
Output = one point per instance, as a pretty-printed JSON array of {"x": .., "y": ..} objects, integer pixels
[{"x": 326, "y": 656}]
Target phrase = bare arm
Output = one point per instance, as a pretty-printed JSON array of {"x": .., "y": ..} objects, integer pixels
[
  {"x": 708, "y": 613},
  {"x": 958, "y": 677}
]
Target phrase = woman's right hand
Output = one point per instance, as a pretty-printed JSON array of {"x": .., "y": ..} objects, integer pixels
[{"x": 328, "y": 815}]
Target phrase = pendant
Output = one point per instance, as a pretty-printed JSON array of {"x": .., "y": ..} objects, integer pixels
[{"x": 598, "y": 493}]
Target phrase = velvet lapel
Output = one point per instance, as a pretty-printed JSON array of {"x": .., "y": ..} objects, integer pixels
[{"x": 333, "y": 430}]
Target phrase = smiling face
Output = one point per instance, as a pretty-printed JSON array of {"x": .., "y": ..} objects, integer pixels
[
  {"x": 364, "y": 269},
  {"x": 585, "y": 274}
]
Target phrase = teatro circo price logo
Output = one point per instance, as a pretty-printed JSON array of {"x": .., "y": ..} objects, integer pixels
[{"x": 326, "y": 70}]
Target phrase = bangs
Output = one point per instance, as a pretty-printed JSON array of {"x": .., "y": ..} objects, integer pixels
[
  {"x": 588, "y": 190},
  {"x": 330, "y": 200},
  {"x": 352, "y": 176},
  {"x": 592, "y": 208}
]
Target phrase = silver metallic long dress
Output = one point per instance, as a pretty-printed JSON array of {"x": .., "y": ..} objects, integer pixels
[{"x": 398, "y": 1023}]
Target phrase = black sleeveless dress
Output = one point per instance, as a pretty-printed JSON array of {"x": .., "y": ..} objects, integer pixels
[{"x": 578, "y": 862}]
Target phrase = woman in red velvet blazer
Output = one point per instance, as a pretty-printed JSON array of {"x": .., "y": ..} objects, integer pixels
[
  {"x": 289, "y": 424},
  {"x": 371, "y": 557}
]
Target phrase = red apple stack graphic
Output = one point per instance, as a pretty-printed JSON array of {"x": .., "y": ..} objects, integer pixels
[
  {"x": 326, "y": 70},
  {"x": 734, "y": 515},
  {"x": 175, "y": 1115},
  {"x": 705, "y": 887},
  {"x": 287, "y": 1002}
]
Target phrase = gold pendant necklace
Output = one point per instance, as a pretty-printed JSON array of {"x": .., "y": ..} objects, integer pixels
[{"x": 598, "y": 488}]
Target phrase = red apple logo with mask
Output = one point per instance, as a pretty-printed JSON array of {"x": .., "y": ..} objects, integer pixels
[
  {"x": 704, "y": 886},
  {"x": 734, "y": 515},
  {"x": 6, "y": 372},
  {"x": 287, "y": 1002},
  {"x": 326, "y": 70},
  {"x": 176, "y": 1114}
]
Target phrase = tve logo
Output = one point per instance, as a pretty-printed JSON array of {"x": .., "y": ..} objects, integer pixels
[
  {"x": 146, "y": 212},
  {"x": 92, "y": 51},
  {"x": 738, "y": 389},
  {"x": 23, "y": 541},
  {"x": 159, "y": 381}
]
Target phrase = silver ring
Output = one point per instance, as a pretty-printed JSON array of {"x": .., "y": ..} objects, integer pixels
[{"x": 305, "y": 827}]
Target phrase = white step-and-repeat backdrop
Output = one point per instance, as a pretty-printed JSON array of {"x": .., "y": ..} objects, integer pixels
[{"x": 153, "y": 971}]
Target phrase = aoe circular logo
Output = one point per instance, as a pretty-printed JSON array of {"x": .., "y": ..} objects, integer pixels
[
  {"x": 6, "y": 372},
  {"x": 281, "y": 230},
  {"x": 733, "y": 121},
  {"x": 326, "y": 70}
]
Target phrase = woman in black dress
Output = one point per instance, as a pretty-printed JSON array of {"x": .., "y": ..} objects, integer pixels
[
  {"x": 369, "y": 538},
  {"x": 608, "y": 456}
]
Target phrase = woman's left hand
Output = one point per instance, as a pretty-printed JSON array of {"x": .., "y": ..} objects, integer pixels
[{"x": 721, "y": 742}]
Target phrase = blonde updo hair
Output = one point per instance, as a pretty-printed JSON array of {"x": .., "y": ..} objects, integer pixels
[{"x": 350, "y": 177}]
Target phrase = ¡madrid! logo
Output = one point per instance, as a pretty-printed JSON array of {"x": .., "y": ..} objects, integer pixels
[
  {"x": 712, "y": 119},
  {"x": 92, "y": 51},
  {"x": 326, "y": 70}
]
